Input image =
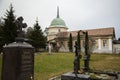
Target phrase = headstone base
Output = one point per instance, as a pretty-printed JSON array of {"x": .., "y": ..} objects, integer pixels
[
  {"x": 91, "y": 76},
  {"x": 73, "y": 76}
]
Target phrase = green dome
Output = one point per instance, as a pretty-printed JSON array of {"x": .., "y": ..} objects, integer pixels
[{"x": 58, "y": 22}]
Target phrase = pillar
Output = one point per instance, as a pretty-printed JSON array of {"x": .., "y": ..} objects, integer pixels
[
  {"x": 99, "y": 44},
  {"x": 110, "y": 44}
]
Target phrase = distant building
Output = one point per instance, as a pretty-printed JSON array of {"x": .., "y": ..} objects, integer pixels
[
  {"x": 57, "y": 25},
  {"x": 100, "y": 39},
  {"x": 116, "y": 46}
]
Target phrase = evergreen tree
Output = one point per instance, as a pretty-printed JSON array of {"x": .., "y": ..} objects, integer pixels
[
  {"x": 9, "y": 27},
  {"x": 37, "y": 37},
  {"x": 1, "y": 35},
  {"x": 29, "y": 32},
  {"x": 1, "y": 30},
  {"x": 70, "y": 43},
  {"x": 79, "y": 41}
]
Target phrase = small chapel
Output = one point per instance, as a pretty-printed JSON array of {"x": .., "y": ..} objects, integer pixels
[{"x": 58, "y": 36}]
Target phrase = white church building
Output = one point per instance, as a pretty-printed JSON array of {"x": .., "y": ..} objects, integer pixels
[{"x": 100, "y": 39}]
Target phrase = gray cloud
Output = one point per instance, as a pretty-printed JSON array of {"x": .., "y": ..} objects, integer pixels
[{"x": 78, "y": 14}]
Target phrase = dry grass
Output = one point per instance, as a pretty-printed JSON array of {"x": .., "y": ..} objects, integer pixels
[{"x": 105, "y": 62}]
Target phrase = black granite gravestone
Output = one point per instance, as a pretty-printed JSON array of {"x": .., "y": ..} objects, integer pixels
[{"x": 18, "y": 58}]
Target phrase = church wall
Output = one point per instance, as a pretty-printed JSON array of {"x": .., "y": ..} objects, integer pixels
[
  {"x": 94, "y": 46},
  {"x": 50, "y": 37},
  {"x": 116, "y": 48},
  {"x": 53, "y": 31},
  {"x": 57, "y": 30},
  {"x": 103, "y": 45}
]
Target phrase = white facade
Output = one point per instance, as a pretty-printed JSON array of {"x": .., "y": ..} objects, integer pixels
[
  {"x": 99, "y": 44},
  {"x": 53, "y": 31},
  {"x": 102, "y": 36},
  {"x": 104, "y": 45}
]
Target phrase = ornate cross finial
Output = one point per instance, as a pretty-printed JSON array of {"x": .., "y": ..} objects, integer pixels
[{"x": 19, "y": 23}]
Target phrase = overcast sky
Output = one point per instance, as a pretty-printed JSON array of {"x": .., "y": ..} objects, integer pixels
[{"x": 77, "y": 14}]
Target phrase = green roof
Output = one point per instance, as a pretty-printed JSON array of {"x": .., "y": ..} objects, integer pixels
[{"x": 58, "y": 22}]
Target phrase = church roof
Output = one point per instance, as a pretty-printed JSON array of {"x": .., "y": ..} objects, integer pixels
[
  {"x": 91, "y": 32},
  {"x": 58, "y": 22},
  {"x": 101, "y": 31}
]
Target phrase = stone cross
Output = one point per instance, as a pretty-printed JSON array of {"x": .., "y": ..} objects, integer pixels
[{"x": 19, "y": 23}]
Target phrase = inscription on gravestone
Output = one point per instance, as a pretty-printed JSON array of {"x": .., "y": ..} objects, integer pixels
[
  {"x": 26, "y": 62},
  {"x": 26, "y": 65}
]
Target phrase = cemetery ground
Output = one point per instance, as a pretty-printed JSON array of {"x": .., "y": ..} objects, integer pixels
[{"x": 47, "y": 66}]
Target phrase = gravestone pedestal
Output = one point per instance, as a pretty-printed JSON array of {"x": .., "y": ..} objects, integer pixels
[
  {"x": 73, "y": 76},
  {"x": 18, "y": 62}
]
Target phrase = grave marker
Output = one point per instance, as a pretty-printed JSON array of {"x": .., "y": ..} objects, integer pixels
[{"x": 18, "y": 57}]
